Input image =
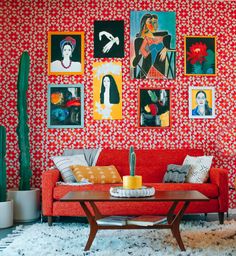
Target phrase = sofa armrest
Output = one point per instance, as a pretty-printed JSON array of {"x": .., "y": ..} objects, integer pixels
[
  {"x": 49, "y": 180},
  {"x": 219, "y": 177}
]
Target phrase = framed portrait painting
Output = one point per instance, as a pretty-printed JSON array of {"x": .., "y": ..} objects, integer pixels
[
  {"x": 107, "y": 90},
  {"x": 201, "y": 102},
  {"x": 109, "y": 39},
  {"x": 154, "y": 108},
  {"x": 66, "y": 106},
  {"x": 152, "y": 45},
  {"x": 65, "y": 53},
  {"x": 200, "y": 55}
]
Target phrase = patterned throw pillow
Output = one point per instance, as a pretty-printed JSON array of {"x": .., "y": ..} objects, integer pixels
[
  {"x": 96, "y": 174},
  {"x": 63, "y": 164},
  {"x": 200, "y": 167},
  {"x": 176, "y": 173}
]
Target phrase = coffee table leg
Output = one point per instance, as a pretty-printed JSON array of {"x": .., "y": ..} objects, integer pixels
[
  {"x": 93, "y": 226},
  {"x": 175, "y": 226}
]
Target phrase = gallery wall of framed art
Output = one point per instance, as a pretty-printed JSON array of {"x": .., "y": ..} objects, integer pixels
[{"x": 160, "y": 45}]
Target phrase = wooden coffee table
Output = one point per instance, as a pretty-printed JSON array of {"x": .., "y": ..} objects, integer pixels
[{"x": 184, "y": 198}]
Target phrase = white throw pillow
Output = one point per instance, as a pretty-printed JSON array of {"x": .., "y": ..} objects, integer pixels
[
  {"x": 63, "y": 164},
  {"x": 200, "y": 166}
]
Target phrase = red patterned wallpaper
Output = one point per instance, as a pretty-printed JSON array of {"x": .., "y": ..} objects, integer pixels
[{"x": 24, "y": 26}]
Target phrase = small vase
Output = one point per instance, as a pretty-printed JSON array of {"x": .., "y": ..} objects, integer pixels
[{"x": 132, "y": 182}]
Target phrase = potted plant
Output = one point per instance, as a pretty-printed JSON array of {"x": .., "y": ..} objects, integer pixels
[
  {"x": 6, "y": 206},
  {"x": 132, "y": 181},
  {"x": 26, "y": 199}
]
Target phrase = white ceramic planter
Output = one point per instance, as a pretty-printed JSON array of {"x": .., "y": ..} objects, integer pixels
[
  {"x": 6, "y": 214},
  {"x": 26, "y": 204}
]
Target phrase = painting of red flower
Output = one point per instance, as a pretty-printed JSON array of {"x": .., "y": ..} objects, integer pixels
[
  {"x": 200, "y": 55},
  {"x": 197, "y": 53}
]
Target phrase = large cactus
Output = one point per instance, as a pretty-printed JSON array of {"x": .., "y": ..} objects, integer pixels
[
  {"x": 22, "y": 128},
  {"x": 3, "y": 176},
  {"x": 132, "y": 161}
]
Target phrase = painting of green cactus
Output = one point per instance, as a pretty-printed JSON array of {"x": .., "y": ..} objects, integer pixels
[
  {"x": 200, "y": 55},
  {"x": 3, "y": 176},
  {"x": 22, "y": 127}
]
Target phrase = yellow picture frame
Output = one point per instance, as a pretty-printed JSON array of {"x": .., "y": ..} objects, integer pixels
[{"x": 65, "y": 53}]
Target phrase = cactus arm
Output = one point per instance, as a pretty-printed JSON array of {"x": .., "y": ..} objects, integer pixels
[
  {"x": 131, "y": 150},
  {"x": 22, "y": 128},
  {"x": 3, "y": 176},
  {"x": 132, "y": 161},
  {"x": 132, "y": 164}
]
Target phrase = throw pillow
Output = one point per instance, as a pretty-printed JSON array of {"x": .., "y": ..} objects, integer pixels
[
  {"x": 91, "y": 155},
  {"x": 200, "y": 167},
  {"x": 96, "y": 174},
  {"x": 176, "y": 173},
  {"x": 63, "y": 164}
]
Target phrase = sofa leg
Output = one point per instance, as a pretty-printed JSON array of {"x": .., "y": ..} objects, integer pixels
[
  {"x": 221, "y": 217},
  {"x": 205, "y": 216},
  {"x": 49, "y": 220}
]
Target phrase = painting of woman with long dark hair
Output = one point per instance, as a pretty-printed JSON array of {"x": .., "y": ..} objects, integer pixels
[{"x": 107, "y": 90}]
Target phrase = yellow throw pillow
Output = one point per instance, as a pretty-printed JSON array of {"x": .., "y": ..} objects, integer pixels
[{"x": 96, "y": 174}]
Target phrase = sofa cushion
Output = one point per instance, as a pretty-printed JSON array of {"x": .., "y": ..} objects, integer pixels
[
  {"x": 96, "y": 174},
  {"x": 209, "y": 190},
  {"x": 176, "y": 173},
  {"x": 200, "y": 167},
  {"x": 150, "y": 164},
  {"x": 63, "y": 164}
]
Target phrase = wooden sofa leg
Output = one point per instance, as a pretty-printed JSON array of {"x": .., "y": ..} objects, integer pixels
[
  {"x": 49, "y": 220},
  {"x": 221, "y": 217}
]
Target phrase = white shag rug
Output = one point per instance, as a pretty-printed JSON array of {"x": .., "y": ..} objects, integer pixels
[{"x": 69, "y": 239}]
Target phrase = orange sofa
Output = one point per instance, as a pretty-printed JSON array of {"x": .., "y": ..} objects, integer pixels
[{"x": 152, "y": 165}]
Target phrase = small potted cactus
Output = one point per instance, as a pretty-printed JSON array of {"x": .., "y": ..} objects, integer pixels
[
  {"x": 6, "y": 206},
  {"x": 132, "y": 181},
  {"x": 26, "y": 199}
]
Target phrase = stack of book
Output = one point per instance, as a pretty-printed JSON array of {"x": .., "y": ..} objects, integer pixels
[{"x": 145, "y": 220}]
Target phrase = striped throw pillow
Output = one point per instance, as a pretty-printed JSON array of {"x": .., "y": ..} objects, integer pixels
[{"x": 63, "y": 164}]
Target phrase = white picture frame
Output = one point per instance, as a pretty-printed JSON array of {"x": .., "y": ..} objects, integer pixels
[{"x": 201, "y": 102}]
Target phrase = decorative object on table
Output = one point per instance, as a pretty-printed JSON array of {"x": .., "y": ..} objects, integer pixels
[
  {"x": 140, "y": 192},
  {"x": 113, "y": 220},
  {"x": 201, "y": 102},
  {"x": 132, "y": 181},
  {"x": 66, "y": 53},
  {"x": 176, "y": 173},
  {"x": 107, "y": 90},
  {"x": 147, "y": 220},
  {"x": 6, "y": 206},
  {"x": 66, "y": 106},
  {"x": 200, "y": 55},
  {"x": 152, "y": 45},
  {"x": 26, "y": 200},
  {"x": 154, "y": 108},
  {"x": 108, "y": 39},
  {"x": 200, "y": 166}
]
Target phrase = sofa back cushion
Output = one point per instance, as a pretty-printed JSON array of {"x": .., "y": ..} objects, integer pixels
[{"x": 151, "y": 164}]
